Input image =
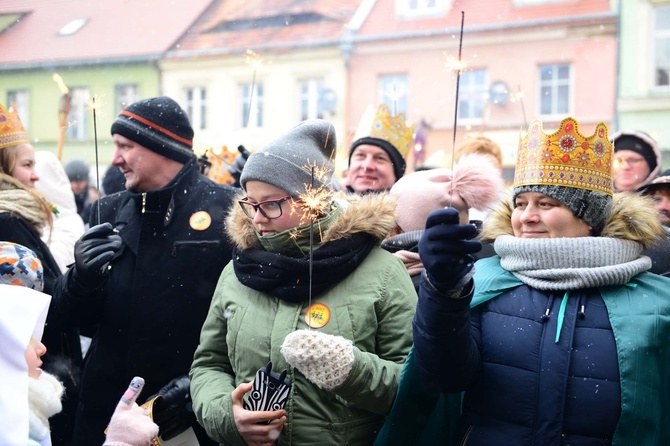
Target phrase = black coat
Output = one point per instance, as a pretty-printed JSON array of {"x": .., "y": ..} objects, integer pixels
[{"x": 150, "y": 310}]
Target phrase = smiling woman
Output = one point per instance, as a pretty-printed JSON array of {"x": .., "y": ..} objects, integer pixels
[
  {"x": 24, "y": 217},
  {"x": 551, "y": 339},
  {"x": 537, "y": 215}
]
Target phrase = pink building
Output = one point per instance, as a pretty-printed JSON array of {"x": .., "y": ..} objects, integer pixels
[{"x": 525, "y": 59}]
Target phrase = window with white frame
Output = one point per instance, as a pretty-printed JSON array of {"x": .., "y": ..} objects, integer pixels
[
  {"x": 661, "y": 46},
  {"x": 251, "y": 107},
  {"x": 393, "y": 91},
  {"x": 20, "y": 100},
  {"x": 554, "y": 89},
  {"x": 472, "y": 95},
  {"x": 79, "y": 112},
  {"x": 196, "y": 106},
  {"x": 126, "y": 94},
  {"x": 309, "y": 98}
]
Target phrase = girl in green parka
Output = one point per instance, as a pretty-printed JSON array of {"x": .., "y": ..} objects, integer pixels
[{"x": 335, "y": 313}]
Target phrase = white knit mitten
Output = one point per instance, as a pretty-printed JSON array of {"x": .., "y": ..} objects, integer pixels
[
  {"x": 324, "y": 359},
  {"x": 130, "y": 426}
]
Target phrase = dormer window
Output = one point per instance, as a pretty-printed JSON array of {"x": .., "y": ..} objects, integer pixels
[
  {"x": 72, "y": 26},
  {"x": 412, "y": 9}
]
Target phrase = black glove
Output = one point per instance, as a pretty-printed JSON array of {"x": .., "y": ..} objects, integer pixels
[
  {"x": 445, "y": 250},
  {"x": 93, "y": 252},
  {"x": 236, "y": 168},
  {"x": 173, "y": 411}
]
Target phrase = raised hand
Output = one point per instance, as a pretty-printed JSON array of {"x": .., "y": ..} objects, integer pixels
[
  {"x": 446, "y": 250},
  {"x": 93, "y": 252}
]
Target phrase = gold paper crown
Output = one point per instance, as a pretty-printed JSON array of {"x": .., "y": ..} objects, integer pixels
[
  {"x": 393, "y": 129},
  {"x": 11, "y": 129},
  {"x": 565, "y": 158}
]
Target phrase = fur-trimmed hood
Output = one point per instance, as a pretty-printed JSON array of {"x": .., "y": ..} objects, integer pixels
[
  {"x": 371, "y": 213},
  {"x": 633, "y": 217}
]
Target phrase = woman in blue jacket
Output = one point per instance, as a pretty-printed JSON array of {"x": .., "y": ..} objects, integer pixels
[{"x": 561, "y": 337}]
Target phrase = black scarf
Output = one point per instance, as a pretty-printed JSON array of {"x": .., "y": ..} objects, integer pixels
[{"x": 288, "y": 277}]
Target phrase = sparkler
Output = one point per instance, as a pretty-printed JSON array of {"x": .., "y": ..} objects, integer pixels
[
  {"x": 459, "y": 68},
  {"x": 395, "y": 96},
  {"x": 315, "y": 202},
  {"x": 311, "y": 256},
  {"x": 97, "y": 165},
  {"x": 255, "y": 61},
  {"x": 523, "y": 109}
]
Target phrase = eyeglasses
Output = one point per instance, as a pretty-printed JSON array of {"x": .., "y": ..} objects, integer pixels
[
  {"x": 270, "y": 209},
  {"x": 630, "y": 161}
]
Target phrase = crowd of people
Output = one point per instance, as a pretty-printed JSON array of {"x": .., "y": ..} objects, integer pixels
[{"x": 385, "y": 307}]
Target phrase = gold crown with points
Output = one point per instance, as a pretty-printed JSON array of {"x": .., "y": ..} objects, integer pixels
[
  {"x": 393, "y": 129},
  {"x": 11, "y": 129},
  {"x": 565, "y": 158}
]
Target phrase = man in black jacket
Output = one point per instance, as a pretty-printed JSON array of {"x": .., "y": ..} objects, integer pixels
[
  {"x": 146, "y": 270},
  {"x": 659, "y": 189}
]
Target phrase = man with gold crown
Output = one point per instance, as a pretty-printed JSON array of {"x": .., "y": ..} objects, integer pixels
[
  {"x": 561, "y": 338},
  {"x": 377, "y": 155}
]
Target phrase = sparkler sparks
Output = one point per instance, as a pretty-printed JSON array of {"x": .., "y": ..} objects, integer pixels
[
  {"x": 252, "y": 58},
  {"x": 455, "y": 64},
  {"x": 96, "y": 104},
  {"x": 315, "y": 203}
]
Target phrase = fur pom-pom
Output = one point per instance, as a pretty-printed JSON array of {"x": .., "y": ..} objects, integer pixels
[{"x": 477, "y": 181}]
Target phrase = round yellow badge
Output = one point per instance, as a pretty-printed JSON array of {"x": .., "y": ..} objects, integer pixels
[
  {"x": 200, "y": 221},
  {"x": 317, "y": 315}
]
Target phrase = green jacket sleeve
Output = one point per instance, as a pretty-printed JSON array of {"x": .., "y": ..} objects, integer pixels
[{"x": 373, "y": 381}]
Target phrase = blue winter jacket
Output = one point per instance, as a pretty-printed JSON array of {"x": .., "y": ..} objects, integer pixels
[{"x": 586, "y": 367}]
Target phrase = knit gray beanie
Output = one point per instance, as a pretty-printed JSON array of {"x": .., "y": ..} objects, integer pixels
[
  {"x": 590, "y": 206},
  {"x": 300, "y": 158},
  {"x": 77, "y": 170}
]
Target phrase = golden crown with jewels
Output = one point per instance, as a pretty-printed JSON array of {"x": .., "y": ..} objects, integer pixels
[
  {"x": 392, "y": 129},
  {"x": 565, "y": 158},
  {"x": 11, "y": 129}
]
